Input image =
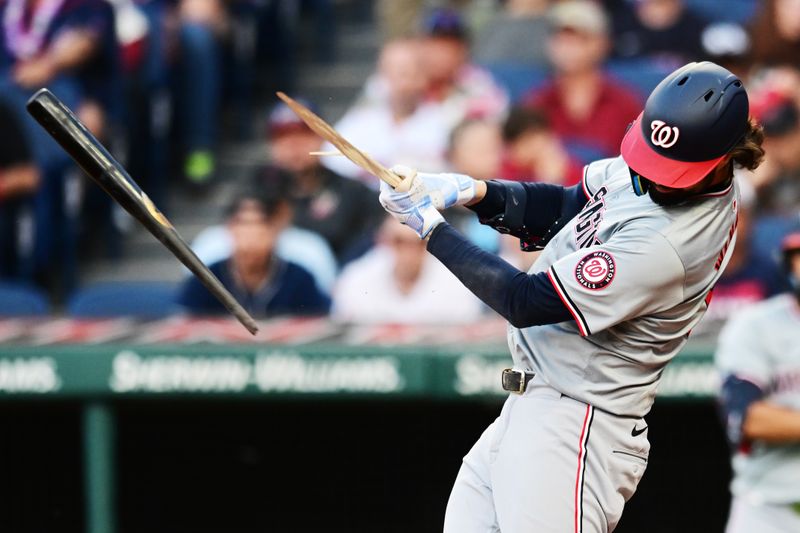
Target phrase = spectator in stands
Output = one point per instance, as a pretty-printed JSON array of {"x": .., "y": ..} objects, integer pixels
[
  {"x": 586, "y": 109},
  {"x": 775, "y": 33},
  {"x": 263, "y": 283},
  {"x": 778, "y": 182},
  {"x": 45, "y": 40},
  {"x": 146, "y": 58},
  {"x": 459, "y": 87},
  {"x": 391, "y": 122},
  {"x": 727, "y": 44},
  {"x": 398, "y": 282},
  {"x": 398, "y": 20},
  {"x": 305, "y": 248},
  {"x": 775, "y": 102},
  {"x": 343, "y": 211},
  {"x": 476, "y": 148},
  {"x": 218, "y": 43},
  {"x": 533, "y": 152},
  {"x": 666, "y": 31},
  {"x": 19, "y": 179},
  {"x": 69, "y": 47},
  {"x": 202, "y": 25},
  {"x": 102, "y": 112},
  {"x": 516, "y": 35}
]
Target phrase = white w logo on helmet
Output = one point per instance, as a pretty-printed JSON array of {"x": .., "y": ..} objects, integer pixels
[{"x": 663, "y": 135}]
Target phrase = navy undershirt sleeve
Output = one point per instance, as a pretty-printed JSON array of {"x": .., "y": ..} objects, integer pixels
[
  {"x": 736, "y": 397},
  {"x": 522, "y": 299},
  {"x": 544, "y": 203},
  {"x": 574, "y": 199}
]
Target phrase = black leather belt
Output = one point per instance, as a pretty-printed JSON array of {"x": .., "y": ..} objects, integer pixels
[{"x": 516, "y": 380}]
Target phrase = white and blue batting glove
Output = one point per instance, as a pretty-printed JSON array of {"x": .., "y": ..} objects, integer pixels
[
  {"x": 446, "y": 189},
  {"x": 411, "y": 205}
]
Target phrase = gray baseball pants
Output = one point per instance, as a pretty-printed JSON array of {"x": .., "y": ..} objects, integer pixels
[{"x": 548, "y": 464}]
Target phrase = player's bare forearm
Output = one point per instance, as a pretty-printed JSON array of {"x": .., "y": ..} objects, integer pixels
[{"x": 772, "y": 423}]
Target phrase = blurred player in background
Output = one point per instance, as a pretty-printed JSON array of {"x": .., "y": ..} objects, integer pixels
[{"x": 759, "y": 357}]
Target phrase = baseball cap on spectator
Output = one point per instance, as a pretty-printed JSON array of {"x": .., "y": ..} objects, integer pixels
[
  {"x": 447, "y": 23},
  {"x": 776, "y": 112},
  {"x": 283, "y": 120},
  {"x": 725, "y": 40},
  {"x": 582, "y": 16}
]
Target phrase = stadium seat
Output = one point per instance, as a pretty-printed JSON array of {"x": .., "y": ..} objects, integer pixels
[
  {"x": 741, "y": 11},
  {"x": 147, "y": 300},
  {"x": 517, "y": 79},
  {"x": 22, "y": 300}
]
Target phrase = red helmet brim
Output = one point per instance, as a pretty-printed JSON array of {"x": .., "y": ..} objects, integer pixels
[{"x": 645, "y": 161}]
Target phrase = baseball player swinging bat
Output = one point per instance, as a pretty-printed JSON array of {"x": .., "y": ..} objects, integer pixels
[{"x": 57, "y": 119}]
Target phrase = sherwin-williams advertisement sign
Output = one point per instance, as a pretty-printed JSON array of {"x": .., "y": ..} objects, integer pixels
[{"x": 432, "y": 372}]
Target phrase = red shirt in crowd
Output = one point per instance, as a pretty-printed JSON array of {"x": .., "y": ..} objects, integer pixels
[
  {"x": 513, "y": 171},
  {"x": 603, "y": 128}
]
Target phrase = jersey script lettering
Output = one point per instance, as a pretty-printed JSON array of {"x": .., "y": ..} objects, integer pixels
[{"x": 589, "y": 219}]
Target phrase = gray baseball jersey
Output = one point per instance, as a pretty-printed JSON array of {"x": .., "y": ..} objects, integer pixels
[
  {"x": 636, "y": 277},
  {"x": 762, "y": 345}
]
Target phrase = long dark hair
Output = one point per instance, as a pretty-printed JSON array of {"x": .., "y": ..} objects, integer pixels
[{"x": 749, "y": 152}]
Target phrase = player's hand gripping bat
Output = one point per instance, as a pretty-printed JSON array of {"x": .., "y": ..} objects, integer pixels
[
  {"x": 324, "y": 130},
  {"x": 57, "y": 119}
]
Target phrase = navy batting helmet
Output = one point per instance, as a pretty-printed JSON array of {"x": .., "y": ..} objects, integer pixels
[{"x": 691, "y": 120}]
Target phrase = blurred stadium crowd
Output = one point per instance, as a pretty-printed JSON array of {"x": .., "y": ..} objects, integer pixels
[{"x": 527, "y": 90}]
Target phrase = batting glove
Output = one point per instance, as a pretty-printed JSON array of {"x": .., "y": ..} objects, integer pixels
[
  {"x": 411, "y": 205},
  {"x": 446, "y": 189}
]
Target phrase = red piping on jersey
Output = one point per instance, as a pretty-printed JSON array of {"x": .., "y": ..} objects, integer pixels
[
  {"x": 723, "y": 192},
  {"x": 583, "y": 182},
  {"x": 566, "y": 303},
  {"x": 728, "y": 240},
  {"x": 579, "y": 475}
]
